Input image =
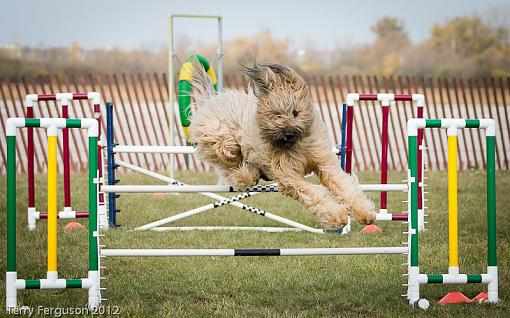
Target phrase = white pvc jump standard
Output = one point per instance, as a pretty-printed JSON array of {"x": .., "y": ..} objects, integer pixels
[
  {"x": 415, "y": 278},
  {"x": 386, "y": 101}
]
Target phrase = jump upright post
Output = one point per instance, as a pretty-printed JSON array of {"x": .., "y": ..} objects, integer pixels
[
  {"x": 65, "y": 99},
  {"x": 415, "y": 278},
  {"x": 91, "y": 282},
  {"x": 385, "y": 101}
]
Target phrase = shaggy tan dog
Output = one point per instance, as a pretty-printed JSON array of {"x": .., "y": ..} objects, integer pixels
[{"x": 275, "y": 133}]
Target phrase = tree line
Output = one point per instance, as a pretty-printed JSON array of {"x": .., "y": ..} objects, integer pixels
[{"x": 467, "y": 46}]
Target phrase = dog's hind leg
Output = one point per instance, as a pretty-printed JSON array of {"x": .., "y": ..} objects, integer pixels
[
  {"x": 317, "y": 199},
  {"x": 346, "y": 189}
]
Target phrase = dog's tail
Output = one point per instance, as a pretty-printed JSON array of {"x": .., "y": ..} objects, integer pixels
[{"x": 203, "y": 88}]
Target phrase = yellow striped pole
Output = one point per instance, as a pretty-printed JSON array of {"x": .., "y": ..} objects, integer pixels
[
  {"x": 52, "y": 202},
  {"x": 453, "y": 227}
]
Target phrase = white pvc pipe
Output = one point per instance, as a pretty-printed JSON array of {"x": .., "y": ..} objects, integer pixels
[
  {"x": 383, "y": 217},
  {"x": 455, "y": 279},
  {"x": 155, "y": 149},
  {"x": 227, "y": 228},
  {"x": 146, "y": 172},
  {"x": 395, "y": 187},
  {"x": 344, "y": 251},
  {"x": 232, "y": 252},
  {"x": 176, "y": 217},
  {"x": 204, "y": 208},
  {"x": 226, "y": 188},
  {"x": 167, "y": 149}
]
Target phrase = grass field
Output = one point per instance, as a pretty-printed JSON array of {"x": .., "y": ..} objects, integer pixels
[{"x": 342, "y": 286}]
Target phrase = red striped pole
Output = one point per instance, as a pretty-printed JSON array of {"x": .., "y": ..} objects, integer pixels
[
  {"x": 420, "y": 161},
  {"x": 66, "y": 159},
  {"x": 31, "y": 157},
  {"x": 348, "y": 146},
  {"x": 97, "y": 115},
  {"x": 384, "y": 156}
]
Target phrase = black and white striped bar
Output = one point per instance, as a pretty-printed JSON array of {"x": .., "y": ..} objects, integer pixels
[
  {"x": 225, "y": 188},
  {"x": 254, "y": 252}
]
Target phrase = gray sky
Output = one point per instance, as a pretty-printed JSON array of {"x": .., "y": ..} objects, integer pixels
[{"x": 143, "y": 24}]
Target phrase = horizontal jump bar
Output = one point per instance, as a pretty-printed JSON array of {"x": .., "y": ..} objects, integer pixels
[
  {"x": 66, "y": 215},
  {"x": 226, "y": 228},
  {"x": 455, "y": 279},
  {"x": 255, "y": 252},
  {"x": 225, "y": 188},
  {"x": 167, "y": 149},
  {"x": 154, "y": 149},
  {"x": 396, "y": 97},
  {"x": 76, "y": 96},
  {"x": 391, "y": 217}
]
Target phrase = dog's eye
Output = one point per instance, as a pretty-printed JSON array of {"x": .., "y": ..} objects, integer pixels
[{"x": 295, "y": 113}]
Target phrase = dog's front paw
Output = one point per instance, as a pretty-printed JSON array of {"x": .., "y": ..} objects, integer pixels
[
  {"x": 333, "y": 216},
  {"x": 245, "y": 177},
  {"x": 364, "y": 212}
]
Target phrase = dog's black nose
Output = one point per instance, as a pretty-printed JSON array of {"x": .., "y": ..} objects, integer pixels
[{"x": 289, "y": 136}]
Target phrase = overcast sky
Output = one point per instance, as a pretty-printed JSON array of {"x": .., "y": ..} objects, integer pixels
[{"x": 143, "y": 24}]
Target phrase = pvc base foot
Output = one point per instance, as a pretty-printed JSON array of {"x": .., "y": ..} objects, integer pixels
[
  {"x": 370, "y": 229},
  {"x": 422, "y": 303},
  {"x": 454, "y": 298}
]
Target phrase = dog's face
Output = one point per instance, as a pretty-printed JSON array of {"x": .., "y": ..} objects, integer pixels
[{"x": 284, "y": 110}]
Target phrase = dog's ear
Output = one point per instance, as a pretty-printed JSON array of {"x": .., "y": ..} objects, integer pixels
[
  {"x": 267, "y": 76},
  {"x": 261, "y": 78}
]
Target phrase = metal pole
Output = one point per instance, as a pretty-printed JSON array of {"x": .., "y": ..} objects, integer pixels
[
  {"x": 219, "y": 54},
  {"x": 171, "y": 86}
]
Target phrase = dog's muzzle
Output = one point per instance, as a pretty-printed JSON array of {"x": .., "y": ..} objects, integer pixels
[{"x": 286, "y": 138}]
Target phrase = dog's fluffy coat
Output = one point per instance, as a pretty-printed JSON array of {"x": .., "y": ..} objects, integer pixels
[{"x": 274, "y": 132}]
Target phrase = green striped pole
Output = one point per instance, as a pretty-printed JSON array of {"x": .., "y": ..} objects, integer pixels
[
  {"x": 11, "y": 203},
  {"x": 492, "y": 268},
  {"x": 413, "y": 290},
  {"x": 491, "y": 200},
  {"x": 11, "y": 274},
  {"x": 414, "y": 199},
  {"x": 93, "y": 245}
]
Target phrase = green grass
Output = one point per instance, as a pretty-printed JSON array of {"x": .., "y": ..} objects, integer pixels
[{"x": 347, "y": 286}]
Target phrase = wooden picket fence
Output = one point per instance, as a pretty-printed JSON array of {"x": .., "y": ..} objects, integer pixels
[{"x": 142, "y": 116}]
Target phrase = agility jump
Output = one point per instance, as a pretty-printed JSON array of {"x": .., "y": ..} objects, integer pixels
[
  {"x": 177, "y": 186},
  {"x": 52, "y": 281},
  {"x": 64, "y": 99},
  {"x": 385, "y": 101},
  {"x": 97, "y": 251},
  {"x": 415, "y": 278}
]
